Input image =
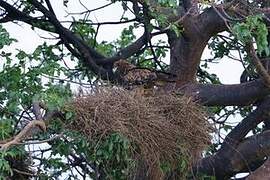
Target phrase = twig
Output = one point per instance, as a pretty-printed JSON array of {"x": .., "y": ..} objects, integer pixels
[
  {"x": 22, "y": 172},
  {"x": 42, "y": 141}
]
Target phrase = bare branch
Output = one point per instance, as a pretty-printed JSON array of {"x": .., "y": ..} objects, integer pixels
[
  {"x": 250, "y": 151},
  {"x": 250, "y": 122},
  {"x": 88, "y": 11},
  {"x": 127, "y": 51},
  {"x": 26, "y": 131},
  {"x": 49, "y": 6},
  {"x": 226, "y": 95}
]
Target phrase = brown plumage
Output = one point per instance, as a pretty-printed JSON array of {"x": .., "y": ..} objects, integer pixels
[{"x": 131, "y": 75}]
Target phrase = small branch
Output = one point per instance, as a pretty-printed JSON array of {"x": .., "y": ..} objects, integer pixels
[
  {"x": 101, "y": 23},
  {"x": 23, "y": 172},
  {"x": 24, "y": 133},
  {"x": 42, "y": 141},
  {"x": 90, "y": 10}
]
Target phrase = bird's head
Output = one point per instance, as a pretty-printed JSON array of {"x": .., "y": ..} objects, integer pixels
[{"x": 123, "y": 66}]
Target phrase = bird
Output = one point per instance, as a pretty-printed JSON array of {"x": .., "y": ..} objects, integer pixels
[
  {"x": 134, "y": 78},
  {"x": 142, "y": 80},
  {"x": 129, "y": 74}
]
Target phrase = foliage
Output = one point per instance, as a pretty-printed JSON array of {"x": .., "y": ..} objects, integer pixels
[
  {"x": 113, "y": 155},
  {"x": 254, "y": 27},
  {"x": 168, "y": 3},
  {"x": 5, "y": 38}
]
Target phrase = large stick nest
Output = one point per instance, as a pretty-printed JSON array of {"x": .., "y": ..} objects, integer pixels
[{"x": 163, "y": 127}]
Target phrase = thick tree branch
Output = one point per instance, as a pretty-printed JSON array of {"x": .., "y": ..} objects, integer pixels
[
  {"x": 187, "y": 49},
  {"x": 237, "y": 154},
  {"x": 127, "y": 51},
  {"x": 247, "y": 153},
  {"x": 262, "y": 173},
  {"x": 218, "y": 18},
  {"x": 49, "y": 6},
  {"x": 246, "y": 125},
  {"x": 190, "y": 4},
  {"x": 211, "y": 22},
  {"x": 227, "y": 95}
]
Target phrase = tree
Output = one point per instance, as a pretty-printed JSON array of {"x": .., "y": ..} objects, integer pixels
[{"x": 32, "y": 83}]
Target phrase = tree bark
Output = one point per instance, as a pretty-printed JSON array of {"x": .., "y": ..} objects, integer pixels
[
  {"x": 236, "y": 153},
  {"x": 247, "y": 156},
  {"x": 225, "y": 95},
  {"x": 262, "y": 173}
]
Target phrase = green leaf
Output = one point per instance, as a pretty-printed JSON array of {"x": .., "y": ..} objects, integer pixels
[
  {"x": 254, "y": 27},
  {"x": 175, "y": 28},
  {"x": 5, "y": 39}
]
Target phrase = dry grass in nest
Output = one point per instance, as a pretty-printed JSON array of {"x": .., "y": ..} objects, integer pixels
[{"x": 162, "y": 126}]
